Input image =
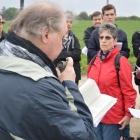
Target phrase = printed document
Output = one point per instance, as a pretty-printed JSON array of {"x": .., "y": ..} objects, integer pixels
[
  {"x": 98, "y": 103},
  {"x": 135, "y": 112}
]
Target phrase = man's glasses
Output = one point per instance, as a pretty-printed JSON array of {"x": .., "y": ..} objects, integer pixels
[{"x": 106, "y": 37}]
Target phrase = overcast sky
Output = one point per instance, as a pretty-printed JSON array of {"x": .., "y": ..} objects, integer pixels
[{"x": 123, "y": 7}]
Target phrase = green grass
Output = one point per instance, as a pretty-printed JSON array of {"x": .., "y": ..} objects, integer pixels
[
  {"x": 5, "y": 27},
  {"x": 129, "y": 26}
]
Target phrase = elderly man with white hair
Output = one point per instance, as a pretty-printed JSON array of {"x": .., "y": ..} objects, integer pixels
[{"x": 37, "y": 101}]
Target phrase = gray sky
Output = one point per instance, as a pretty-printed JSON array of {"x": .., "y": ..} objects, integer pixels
[{"x": 123, "y": 7}]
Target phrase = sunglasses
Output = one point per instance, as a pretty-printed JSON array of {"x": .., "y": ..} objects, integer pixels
[{"x": 106, "y": 37}]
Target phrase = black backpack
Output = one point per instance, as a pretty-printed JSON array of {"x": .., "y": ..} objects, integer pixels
[{"x": 116, "y": 63}]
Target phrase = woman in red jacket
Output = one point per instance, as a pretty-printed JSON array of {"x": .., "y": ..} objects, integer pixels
[{"x": 104, "y": 73}]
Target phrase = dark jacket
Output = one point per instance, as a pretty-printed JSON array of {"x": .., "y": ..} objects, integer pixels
[
  {"x": 87, "y": 35},
  {"x": 94, "y": 46},
  {"x": 137, "y": 81},
  {"x": 136, "y": 51},
  {"x": 3, "y": 36},
  {"x": 39, "y": 109},
  {"x": 72, "y": 50},
  {"x": 136, "y": 43}
]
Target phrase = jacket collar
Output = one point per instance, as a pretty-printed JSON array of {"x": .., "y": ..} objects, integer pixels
[
  {"x": 109, "y": 55},
  {"x": 31, "y": 48},
  {"x": 23, "y": 67}
]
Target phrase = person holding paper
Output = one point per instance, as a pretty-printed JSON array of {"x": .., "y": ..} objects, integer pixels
[
  {"x": 109, "y": 16},
  {"x": 97, "y": 21},
  {"x": 104, "y": 74},
  {"x": 136, "y": 51}
]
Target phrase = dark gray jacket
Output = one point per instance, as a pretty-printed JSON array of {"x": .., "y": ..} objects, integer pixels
[
  {"x": 35, "y": 105},
  {"x": 136, "y": 43},
  {"x": 87, "y": 34}
]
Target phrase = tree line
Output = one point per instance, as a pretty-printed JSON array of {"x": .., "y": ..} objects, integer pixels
[
  {"x": 11, "y": 13},
  {"x": 84, "y": 16}
]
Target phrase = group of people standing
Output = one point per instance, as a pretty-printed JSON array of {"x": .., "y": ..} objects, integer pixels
[
  {"x": 101, "y": 41},
  {"x": 37, "y": 101}
]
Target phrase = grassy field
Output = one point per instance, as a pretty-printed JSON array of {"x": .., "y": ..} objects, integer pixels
[
  {"x": 5, "y": 27},
  {"x": 129, "y": 26}
]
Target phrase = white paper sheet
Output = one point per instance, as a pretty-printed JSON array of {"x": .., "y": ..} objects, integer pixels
[
  {"x": 98, "y": 103},
  {"x": 85, "y": 50},
  {"x": 135, "y": 112},
  {"x": 119, "y": 44}
]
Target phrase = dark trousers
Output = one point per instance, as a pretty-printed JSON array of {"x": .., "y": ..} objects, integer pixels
[{"x": 126, "y": 131}]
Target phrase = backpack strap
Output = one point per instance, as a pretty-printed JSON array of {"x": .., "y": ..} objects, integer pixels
[
  {"x": 117, "y": 66},
  {"x": 92, "y": 61}
]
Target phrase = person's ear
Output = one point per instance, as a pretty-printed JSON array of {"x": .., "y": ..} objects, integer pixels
[{"x": 45, "y": 34}]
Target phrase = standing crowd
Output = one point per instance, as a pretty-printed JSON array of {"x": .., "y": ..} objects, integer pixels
[
  {"x": 40, "y": 102},
  {"x": 103, "y": 49}
]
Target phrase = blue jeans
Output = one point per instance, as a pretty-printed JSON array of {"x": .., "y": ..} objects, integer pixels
[
  {"x": 107, "y": 132},
  {"x": 126, "y": 131}
]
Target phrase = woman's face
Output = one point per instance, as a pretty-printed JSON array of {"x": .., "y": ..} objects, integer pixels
[
  {"x": 69, "y": 23},
  {"x": 107, "y": 42}
]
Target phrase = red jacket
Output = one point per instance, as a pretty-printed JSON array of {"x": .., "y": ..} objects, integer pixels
[{"x": 104, "y": 73}]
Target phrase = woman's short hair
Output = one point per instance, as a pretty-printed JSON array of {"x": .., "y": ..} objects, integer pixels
[
  {"x": 69, "y": 15},
  {"x": 34, "y": 18},
  {"x": 111, "y": 28}
]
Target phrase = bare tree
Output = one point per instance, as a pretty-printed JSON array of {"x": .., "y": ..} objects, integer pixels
[{"x": 21, "y": 4}]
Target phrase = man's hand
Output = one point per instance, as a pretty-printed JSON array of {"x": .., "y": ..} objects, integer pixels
[
  {"x": 68, "y": 73},
  {"x": 124, "y": 122}
]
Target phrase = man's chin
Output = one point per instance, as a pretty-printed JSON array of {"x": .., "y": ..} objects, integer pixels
[
  {"x": 57, "y": 55},
  {"x": 111, "y": 22}
]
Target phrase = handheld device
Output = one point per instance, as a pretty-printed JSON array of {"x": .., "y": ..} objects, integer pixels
[{"x": 62, "y": 65}]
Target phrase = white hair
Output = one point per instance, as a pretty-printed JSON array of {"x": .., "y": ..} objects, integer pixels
[{"x": 34, "y": 18}]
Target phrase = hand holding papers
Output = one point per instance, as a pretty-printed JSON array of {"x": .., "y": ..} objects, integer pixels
[
  {"x": 138, "y": 72},
  {"x": 98, "y": 103},
  {"x": 138, "y": 67}
]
